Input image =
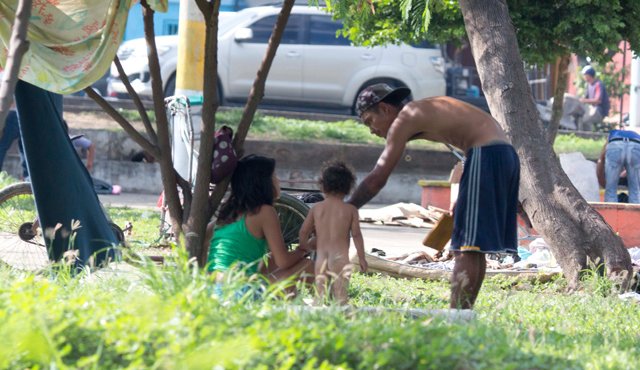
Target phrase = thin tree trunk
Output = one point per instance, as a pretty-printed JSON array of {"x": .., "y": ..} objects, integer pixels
[
  {"x": 128, "y": 128},
  {"x": 257, "y": 91},
  {"x": 201, "y": 211},
  {"x": 18, "y": 46},
  {"x": 255, "y": 96},
  {"x": 574, "y": 230},
  {"x": 136, "y": 100},
  {"x": 168, "y": 174},
  {"x": 558, "y": 97}
]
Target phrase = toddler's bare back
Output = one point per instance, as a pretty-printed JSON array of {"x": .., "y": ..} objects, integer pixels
[{"x": 333, "y": 220}]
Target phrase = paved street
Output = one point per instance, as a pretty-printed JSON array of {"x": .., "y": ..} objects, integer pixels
[{"x": 393, "y": 240}]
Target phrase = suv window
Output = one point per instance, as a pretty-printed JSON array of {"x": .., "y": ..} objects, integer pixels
[
  {"x": 323, "y": 31},
  {"x": 292, "y": 33}
]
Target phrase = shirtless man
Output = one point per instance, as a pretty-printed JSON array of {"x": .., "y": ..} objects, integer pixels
[
  {"x": 333, "y": 222},
  {"x": 485, "y": 213}
]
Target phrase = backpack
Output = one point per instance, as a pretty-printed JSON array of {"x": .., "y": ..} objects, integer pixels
[{"x": 224, "y": 159}]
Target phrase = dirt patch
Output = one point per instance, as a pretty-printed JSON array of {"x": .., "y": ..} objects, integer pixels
[{"x": 95, "y": 120}]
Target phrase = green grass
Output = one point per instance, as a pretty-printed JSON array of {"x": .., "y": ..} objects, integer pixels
[
  {"x": 146, "y": 224},
  {"x": 170, "y": 318},
  {"x": 591, "y": 148},
  {"x": 352, "y": 131},
  {"x": 266, "y": 127}
]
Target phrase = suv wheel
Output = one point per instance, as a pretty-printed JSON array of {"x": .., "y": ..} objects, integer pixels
[{"x": 170, "y": 88}]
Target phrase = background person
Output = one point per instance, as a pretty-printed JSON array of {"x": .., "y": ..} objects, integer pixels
[
  {"x": 248, "y": 228},
  {"x": 596, "y": 100},
  {"x": 485, "y": 213},
  {"x": 334, "y": 223},
  {"x": 621, "y": 152},
  {"x": 10, "y": 134},
  {"x": 87, "y": 148}
]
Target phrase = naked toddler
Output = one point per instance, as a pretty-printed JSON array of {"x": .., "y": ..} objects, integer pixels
[{"x": 333, "y": 221}]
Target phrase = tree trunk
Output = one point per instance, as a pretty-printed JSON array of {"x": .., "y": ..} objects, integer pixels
[
  {"x": 18, "y": 46},
  {"x": 196, "y": 223},
  {"x": 558, "y": 97},
  {"x": 167, "y": 172},
  {"x": 576, "y": 233},
  {"x": 201, "y": 210}
]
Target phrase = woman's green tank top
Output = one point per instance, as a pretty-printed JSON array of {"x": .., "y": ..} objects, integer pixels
[{"x": 233, "y": 243}]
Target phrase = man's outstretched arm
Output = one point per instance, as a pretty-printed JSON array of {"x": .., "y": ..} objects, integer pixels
[{"x": 367, "y": 189}]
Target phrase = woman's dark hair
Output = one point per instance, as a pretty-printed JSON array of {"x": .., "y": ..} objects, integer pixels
[
  {"x": 337, "y": 178},
  {"x": 251, "y": 187}
]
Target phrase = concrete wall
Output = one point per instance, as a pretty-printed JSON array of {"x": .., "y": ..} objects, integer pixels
[{"x": 298, "y": 164}]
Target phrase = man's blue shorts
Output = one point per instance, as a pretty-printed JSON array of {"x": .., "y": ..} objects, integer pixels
[{"x": 486, "y": 210}]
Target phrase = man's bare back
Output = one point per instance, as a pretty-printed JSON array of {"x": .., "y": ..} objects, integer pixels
[
  {"x": 446, "y": 120},
  {"x": 452, "y": 122}
]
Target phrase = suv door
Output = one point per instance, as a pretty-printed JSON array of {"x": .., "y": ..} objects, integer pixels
[
  {"x": 285, "y": 77},
  {"x": 330, "y": 61}
]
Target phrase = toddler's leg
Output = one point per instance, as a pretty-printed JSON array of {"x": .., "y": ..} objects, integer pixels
[
  {"x": 321, "y": 277},
  {"x": 341, "y": 270}
]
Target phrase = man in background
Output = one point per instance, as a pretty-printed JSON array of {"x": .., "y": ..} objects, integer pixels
[{"x": 596, "y": 100}]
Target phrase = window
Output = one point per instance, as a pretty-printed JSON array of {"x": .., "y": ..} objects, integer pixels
[
  {"x": 262, "y": 30},
  {"x": 324, "y": 31},
  {"x": 170, "y": 27},
  {"x": 424, "y": 45}
]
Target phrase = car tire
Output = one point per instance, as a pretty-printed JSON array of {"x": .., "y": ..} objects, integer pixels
[
  {"x": 388, "y": 81},
  {"x": 170, "y": 88}
]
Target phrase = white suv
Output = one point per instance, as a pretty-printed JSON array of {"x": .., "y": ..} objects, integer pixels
[{"x": 313, "y": 66}]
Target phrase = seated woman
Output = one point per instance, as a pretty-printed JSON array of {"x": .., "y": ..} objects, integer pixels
[{"x": 248, "y": 228}]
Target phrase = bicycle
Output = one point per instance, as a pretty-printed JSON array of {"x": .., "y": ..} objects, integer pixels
[{"x": 22, "y": 244}]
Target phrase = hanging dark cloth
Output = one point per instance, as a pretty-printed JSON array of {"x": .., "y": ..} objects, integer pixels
[{"x": 61, "y": 184}]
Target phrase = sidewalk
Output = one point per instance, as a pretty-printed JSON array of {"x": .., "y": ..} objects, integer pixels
[
  {"x": 394, "y": 240},
  {"x": 131, "y": 200}
]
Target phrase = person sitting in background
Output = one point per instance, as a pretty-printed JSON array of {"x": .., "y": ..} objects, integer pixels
[
  {"x": 248, "y": 228},
  {"x": 87, "y": 149},
  {"x": 10, "y": 134},
  {"x": 334, "y": 223},
  {"x": 596, "y": 100},
  {"x": 622, "y": 151}
]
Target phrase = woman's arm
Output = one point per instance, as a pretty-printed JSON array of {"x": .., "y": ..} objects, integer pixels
[{"x": 268, "y": 218}]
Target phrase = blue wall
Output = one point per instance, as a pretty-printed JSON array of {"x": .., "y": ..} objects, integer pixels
[{"x": 164, "y": 23}]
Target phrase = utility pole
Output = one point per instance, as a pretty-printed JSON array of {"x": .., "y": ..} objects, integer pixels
[
  {"x": 189, "y": 81},
  {"x": 191, "y": 37}
]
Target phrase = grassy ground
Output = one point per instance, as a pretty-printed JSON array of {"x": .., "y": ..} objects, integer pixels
[
  {"x": 141, "y": 315},
  {"x": 171, "y": 318},
  {"x": 348, "y": 131}
]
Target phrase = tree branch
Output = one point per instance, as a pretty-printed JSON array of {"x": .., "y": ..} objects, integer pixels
[
  {"x": 136, "y": 100},
  {"x": 257, "y": 91},
  {"x": 167, "y": 171},
  {"x": 200, "y": 211},
  {"x": 18, "y": 46},
  {"x": 206, "y": 8},
  {"x": 558, "y": 98},
  {"x": 128, "y": 128}
]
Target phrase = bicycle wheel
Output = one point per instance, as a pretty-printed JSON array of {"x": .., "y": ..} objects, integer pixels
[
  {"x": 21, "y": 241},
  {"x": 22, "y": 244},
  {"x": 291, "y": 212}
]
